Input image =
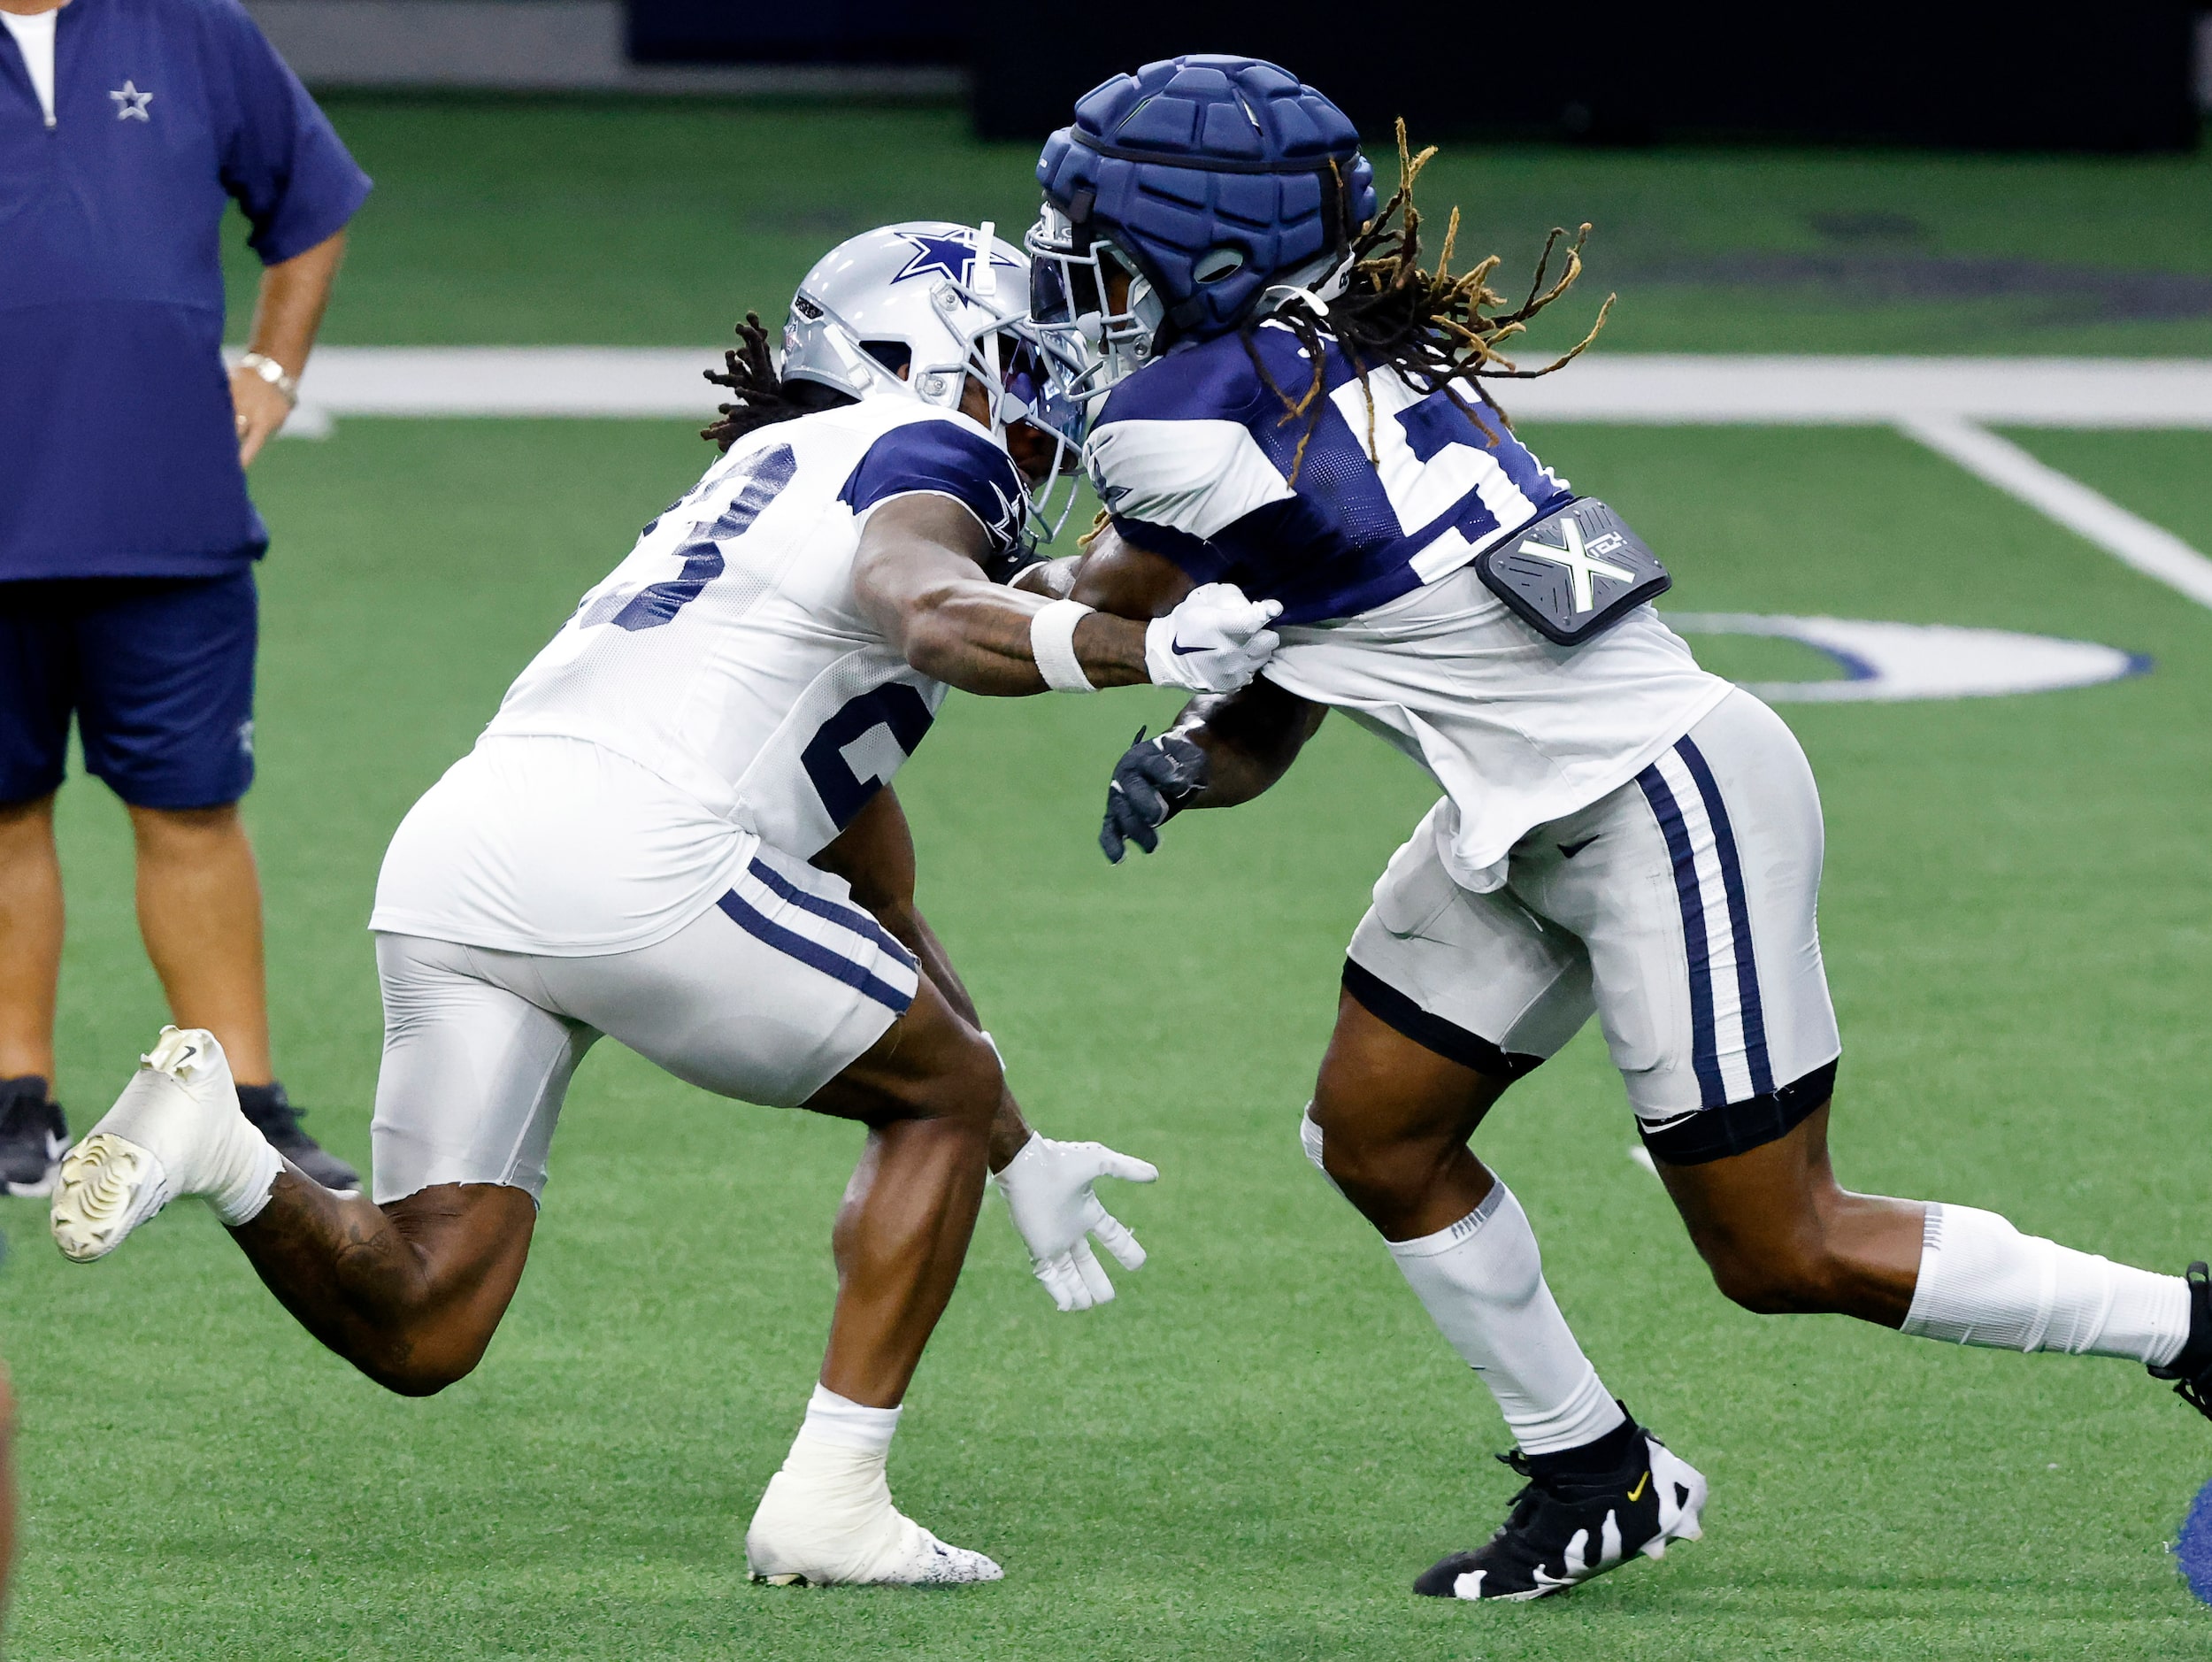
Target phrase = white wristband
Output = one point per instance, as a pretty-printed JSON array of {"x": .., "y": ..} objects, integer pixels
[{"x": 1052, "y": 643}]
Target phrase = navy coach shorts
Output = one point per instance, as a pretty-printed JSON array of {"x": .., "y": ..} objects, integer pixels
[{"x": 157, "y": 671}]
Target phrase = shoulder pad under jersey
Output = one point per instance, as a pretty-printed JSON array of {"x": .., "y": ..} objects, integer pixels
[{"x": 943, "y": 456}]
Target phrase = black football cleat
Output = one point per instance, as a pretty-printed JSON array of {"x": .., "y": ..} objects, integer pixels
[
  {"x": 275, "y": 1117},
  {"x": 2191, "y": 1371},
  {"x": 34, "y": 1136},
  {"x": 1566, "y": 1527}
]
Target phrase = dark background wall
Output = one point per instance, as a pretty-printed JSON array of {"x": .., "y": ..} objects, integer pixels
[
  {"x": 797, "y": 31},
  {"x": 1977, "y": 73},
  {"x": 1980, "y": 73}
]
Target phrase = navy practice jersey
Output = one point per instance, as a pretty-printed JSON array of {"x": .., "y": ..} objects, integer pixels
[
  {"x": 1193, "y": 457},
  {"x": 115, "y": 412}
]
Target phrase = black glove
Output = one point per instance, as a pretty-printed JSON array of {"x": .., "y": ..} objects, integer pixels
[{"x": 1155, "y": 779}]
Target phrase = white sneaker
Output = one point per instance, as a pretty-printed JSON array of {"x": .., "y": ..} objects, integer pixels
[
  {"x": 828, "y": 1520},
  {"x": 175, "y": 1130}
]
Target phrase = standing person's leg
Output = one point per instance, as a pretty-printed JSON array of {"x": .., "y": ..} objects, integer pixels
[
  {"x": 38, "y": 674},
  {"x": 30, "y": 938},
  {"x": 168, "y": 723},
  {"x": 199, "y": 912}
]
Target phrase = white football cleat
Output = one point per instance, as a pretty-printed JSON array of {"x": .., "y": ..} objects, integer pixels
[
  {"x": 828, "y": 1520},
  {"x": 175, "y": 1130}
]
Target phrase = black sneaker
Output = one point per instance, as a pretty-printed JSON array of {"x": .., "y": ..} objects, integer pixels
[
  {"x": 34, "y": 1136},
  {"x": 2192, "y": 1370},
  {"x": 275, "y": 1117},
  {"x": 1566, "y": 1527}
]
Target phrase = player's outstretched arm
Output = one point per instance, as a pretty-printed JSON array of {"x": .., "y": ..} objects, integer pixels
[
  {"x": 1222, "y": 751},
  {"x": 875, "y": 854},
  {"x": 1048, "y": 1186},
  {"x": 918, "y": 577}
]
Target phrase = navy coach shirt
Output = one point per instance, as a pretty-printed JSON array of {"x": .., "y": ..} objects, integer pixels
[{"x": 118, "y": 451}]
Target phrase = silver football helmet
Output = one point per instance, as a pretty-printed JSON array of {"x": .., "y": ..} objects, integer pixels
[{"x": 916, "y": 310}]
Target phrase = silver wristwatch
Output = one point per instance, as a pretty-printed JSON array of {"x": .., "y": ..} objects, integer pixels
[{"x": 273, "y": 372}]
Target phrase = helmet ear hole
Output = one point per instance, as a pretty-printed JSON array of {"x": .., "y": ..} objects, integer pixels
[
  {"x": 1217, "y": 264},
  {"x": 894, "y": 356}
]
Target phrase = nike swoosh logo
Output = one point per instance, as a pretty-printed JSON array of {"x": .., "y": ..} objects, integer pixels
[
  {"x": 1569, "y": 852},
  {"x": 1637, "y": 1492},
  {"x": 1180, "y": 651}
]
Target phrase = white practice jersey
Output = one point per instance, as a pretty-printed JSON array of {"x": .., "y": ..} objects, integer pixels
[
  {"x": 1364, "y": 524},
  {"x": 720, "y": 685}
]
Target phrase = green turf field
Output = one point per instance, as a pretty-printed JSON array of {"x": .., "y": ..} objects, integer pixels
[
  {"x": 1251, "y": 1453},
  {"x": 515, "y": 220}
]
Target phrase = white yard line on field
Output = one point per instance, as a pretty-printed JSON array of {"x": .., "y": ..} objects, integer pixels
[
  {"x": 1669, "y": 387},
  {"x": 511, "y": 381},
  {"x": 1941, "y": 402},
  {"x": 2151, "y": 550},
  {"x": 1664, "y": 387}
]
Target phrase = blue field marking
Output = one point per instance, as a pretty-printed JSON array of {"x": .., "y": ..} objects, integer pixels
[
  {"x": 1892, "y": 663},
  {"x": 2193, "y": 1547}
]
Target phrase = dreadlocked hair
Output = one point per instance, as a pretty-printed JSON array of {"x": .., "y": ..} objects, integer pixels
[
  {"x": 763, "y": 396},
  {"x": 1433, "y": 328}
]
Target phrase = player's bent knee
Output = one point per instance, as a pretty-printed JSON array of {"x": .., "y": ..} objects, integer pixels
[
  {"x": 422, "y": 1368},
  {"x": 1357, "y": 1171},
  {"x": 970, "y": 1090},
  {"x": 930, "y": 1066},
  {"x": 1800, "y": 1279},
  {"x": 1368, "y": 1165},
  {"x": 407, "y": 1380}
]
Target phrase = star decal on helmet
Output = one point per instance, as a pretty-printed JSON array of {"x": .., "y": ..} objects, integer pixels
[{"x": 951, "y": 256}]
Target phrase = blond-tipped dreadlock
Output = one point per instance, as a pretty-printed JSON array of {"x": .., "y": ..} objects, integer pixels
[
  {"x": 763, "y": 396},
  {"x": 1432, "y": 327}
]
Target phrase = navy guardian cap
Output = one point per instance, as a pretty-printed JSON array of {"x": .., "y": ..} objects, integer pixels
[{"x": 1207, "y": 180}]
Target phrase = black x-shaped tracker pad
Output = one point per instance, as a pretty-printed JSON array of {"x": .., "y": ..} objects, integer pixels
[{"x": 1575, "y": 572}]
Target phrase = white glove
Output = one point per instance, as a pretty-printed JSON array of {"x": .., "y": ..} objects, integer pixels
[
  {"x": 1214, "y": 642},
  {"x": 1048, "y": 1191}
]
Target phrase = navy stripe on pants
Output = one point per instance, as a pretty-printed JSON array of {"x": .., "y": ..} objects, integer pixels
[
  {"x": 1704, "y": 1050},
  {"x": 813, "y": 953},
  {"x": 845, "y": 917},
  {"x": 1755, "y": 1023}
]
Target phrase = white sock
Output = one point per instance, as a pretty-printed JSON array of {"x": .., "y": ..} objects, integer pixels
[
  {"x": 252, "y": 1174},
  {"x": 1482, "y": 1283},
  {"x": 181, "y": 1107},
  {"x": 827, "y": 1514},
  {"x": 838, "y": 1420},
  {"x": 1983, "y": 1282}
]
